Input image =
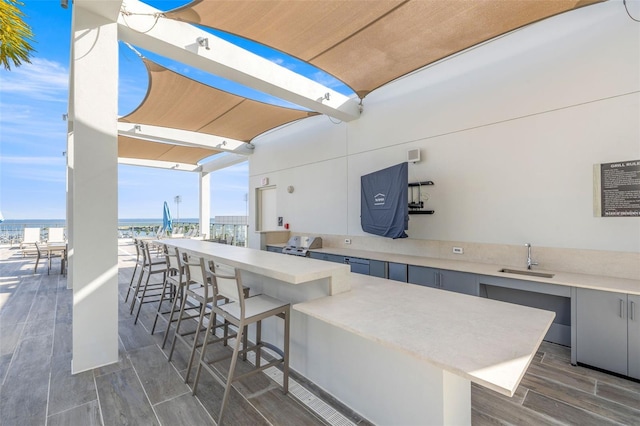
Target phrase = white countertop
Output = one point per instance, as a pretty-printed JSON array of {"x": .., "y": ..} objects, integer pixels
[
  {"x": 290, "y": 269},
  {"x": 595, "y": 282},
  {"x": 488, "y": 342}
]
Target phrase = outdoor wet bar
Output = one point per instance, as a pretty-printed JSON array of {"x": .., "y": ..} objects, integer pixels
[
  {"x": 395, "y": 353},
  {"x": 399, "y": 213}
]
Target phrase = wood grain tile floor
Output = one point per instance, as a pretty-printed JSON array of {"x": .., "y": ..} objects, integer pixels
[{"x": 142, "y": 388}]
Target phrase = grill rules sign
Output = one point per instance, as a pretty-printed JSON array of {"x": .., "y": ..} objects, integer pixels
[{"x": 617, "y": 189}]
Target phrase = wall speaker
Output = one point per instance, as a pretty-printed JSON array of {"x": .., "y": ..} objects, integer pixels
[{"x": 413, "y": 155}]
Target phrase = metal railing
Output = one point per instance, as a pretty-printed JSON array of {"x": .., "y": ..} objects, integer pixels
[{"x": 12, "y": 232}]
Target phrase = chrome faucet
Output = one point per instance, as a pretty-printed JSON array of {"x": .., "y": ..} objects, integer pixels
[{"x": 530, "y": 262}]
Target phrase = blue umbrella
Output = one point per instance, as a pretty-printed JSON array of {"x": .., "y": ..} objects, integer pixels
[{"x": 167, "y": 222}]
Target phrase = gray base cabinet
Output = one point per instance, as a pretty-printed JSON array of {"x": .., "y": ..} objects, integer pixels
[
  {"x": 634, "y": 335},
  {"x": 378, "y": 268},
  {"x": 422, "y": 275},
  {"x": 326, "y": 256},
  {"x": 608, "y": 331},
  {"x": 460, "y": 282},
  {"x": 398, "y": 272}
]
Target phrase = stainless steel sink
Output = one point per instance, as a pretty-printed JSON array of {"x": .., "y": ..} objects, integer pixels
[{"x": 527, "y": 272}]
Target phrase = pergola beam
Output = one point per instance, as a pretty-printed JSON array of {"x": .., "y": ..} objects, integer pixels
[
  {"x": 169, "y": 165},
  {"x": 144, "y": 26},
  {"x": 219, "y": 162},
  {"x": 222, "y": 161},
  {"x": 183, "y": 137}
]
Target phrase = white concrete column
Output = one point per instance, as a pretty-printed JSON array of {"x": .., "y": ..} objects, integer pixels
[
  {"x": 69, "y": 202},
  {"x": 205, "y": 203},
  {"x": 94, "y": 190}
]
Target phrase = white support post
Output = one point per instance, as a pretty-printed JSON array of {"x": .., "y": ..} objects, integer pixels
[
  {"x": 69, "y": 204},
  {"x": 205, "y": 203},
  {"x": 94, "y": 188}
]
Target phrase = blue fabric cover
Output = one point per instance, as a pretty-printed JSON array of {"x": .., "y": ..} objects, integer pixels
[{"x": 384, "y": 202}]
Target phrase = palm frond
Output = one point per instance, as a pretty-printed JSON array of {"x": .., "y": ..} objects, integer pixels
[{"x": 15, "y": 35}]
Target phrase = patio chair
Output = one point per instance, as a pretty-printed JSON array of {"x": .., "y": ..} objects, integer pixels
[
  {"x": 45, "y": 253},
  {"x": 241, "y": 312},
  {"x": 29, "y": 237},
  {"x": 56, "y": 235}
]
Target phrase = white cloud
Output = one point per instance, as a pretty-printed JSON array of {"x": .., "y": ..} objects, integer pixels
[
  {"x": 42, "y": 80},
  {"x": 31, "y": 124}
]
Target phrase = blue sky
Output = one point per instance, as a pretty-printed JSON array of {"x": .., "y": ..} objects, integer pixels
[{"x": 33, "y": 98}]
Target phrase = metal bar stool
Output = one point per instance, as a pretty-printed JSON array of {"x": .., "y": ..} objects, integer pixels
[
  {"x": 198, "y": 289},
  {"x": 148, "y": 293},
  {"x": 242, "y": 311},
  {"x": 139, "y": 259},
  {"x": 172, "y": 290}
]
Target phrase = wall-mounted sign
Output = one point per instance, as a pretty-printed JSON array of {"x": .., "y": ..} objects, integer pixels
[{"x": 617, "y": 189}]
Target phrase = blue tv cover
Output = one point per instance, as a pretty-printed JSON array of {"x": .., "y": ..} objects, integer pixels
[{"x": 384, "y": 202}]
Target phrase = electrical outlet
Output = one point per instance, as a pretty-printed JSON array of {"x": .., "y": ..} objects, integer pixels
[
  {"x": 458, "y": 250},
  {"x": 347, "y": 240}
]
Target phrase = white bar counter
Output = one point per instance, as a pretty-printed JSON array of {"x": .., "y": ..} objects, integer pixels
[
  {"x": 395, "y": 353},
  {"x": 437, "y": 341},
  {"x": 288, "y": 269}
]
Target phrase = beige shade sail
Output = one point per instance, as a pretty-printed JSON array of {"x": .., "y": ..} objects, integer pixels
[
  {"x": 367, "y": 43},
  {"x": 129, "y": 147},
  {"x": 177, "y": 102}
]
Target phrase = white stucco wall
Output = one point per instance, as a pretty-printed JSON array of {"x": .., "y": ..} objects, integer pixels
[{"x": 509, "y": 132}]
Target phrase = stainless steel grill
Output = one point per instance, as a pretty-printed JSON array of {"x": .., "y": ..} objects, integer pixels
[{"x": 299, "y": 246}]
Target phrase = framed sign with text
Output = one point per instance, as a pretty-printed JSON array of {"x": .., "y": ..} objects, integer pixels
[{"x": 617, "y": 189}]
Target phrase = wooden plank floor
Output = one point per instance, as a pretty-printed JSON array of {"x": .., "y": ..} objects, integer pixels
[
  {"x": 553, "y": 392},
  {"x": 36, "y": 387}
]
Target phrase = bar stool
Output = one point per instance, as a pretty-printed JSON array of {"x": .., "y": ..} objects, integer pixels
[
  {"x": 199, "y": 288},
  {"x": 172, "y": 290},
  {"x": 136, "y": 243},
  {"x": 150, "y": 267},
  {"x": 242, "y": 311}
]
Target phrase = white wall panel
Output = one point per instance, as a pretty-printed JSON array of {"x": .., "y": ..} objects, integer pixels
[
  {"x": 552, "y": 64},
  {"x": 509, "y": 133},
  {"x": 304, "y": 142}
]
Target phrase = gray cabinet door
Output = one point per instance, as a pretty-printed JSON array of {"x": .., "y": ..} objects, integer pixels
[
  {"x": 601, "y": 325},
  {"x": 460, "y": 282},
  {"x": 316, "y": 255},
  {"x": 334, "y": 258},
  {"x": 422, "y": 275},
  {"x": 326, "y": 256},
  {"x": 634, "y": 335},
  {"x": 398, "y": 272},
  {"x": 378, "y": 268}
]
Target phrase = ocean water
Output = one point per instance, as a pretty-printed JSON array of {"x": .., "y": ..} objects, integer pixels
[{"x": 12, "y": 229}]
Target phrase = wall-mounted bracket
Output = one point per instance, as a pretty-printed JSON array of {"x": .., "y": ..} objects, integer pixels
[{"x": 416, "y": 205}]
